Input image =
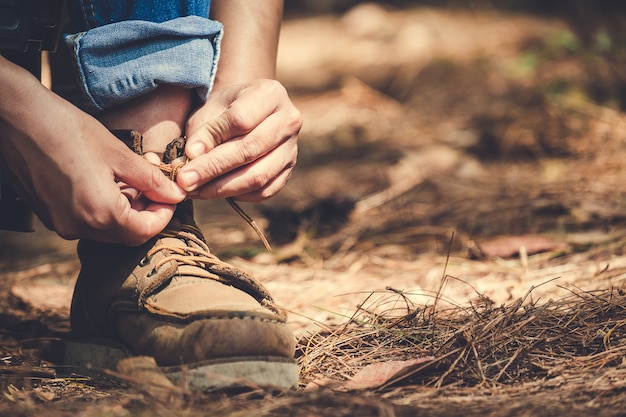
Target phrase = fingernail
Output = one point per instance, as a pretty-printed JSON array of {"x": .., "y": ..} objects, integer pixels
[
  {"x": 188, "y": 179},
  {"x": 195, "y": 150}
]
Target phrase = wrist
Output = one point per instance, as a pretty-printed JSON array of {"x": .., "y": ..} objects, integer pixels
[
  {"x": 250, "y": 40},
  {"x": 233, "y": 77}
]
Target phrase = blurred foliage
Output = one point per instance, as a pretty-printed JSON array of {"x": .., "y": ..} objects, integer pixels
[{"x": 598, "y": 33}]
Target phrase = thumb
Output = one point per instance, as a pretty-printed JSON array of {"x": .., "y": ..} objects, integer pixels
[
  {"x": 147, "y": 178},
  {"x": 139, "y": 226}
]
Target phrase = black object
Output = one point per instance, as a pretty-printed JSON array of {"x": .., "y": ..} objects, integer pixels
[
  {"x": 31, "y": 24},
  {"x": 27, "y": 27}
]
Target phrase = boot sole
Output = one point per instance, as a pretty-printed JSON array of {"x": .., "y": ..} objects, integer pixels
[{"x": 93, "y": 357}]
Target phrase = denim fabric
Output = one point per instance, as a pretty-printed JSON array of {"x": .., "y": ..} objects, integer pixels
[
  {"x": 131, "y": 47},
  {"x": 88, "y": 14}
]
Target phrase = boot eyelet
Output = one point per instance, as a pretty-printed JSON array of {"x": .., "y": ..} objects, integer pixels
[{"x": 144, "y": 261}]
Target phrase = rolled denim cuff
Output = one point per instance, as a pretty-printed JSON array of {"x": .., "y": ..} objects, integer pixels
[{"x": 124, "y": 60}]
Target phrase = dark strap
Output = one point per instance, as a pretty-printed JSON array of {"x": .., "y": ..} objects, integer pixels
[{"x": 31, "y": 25}]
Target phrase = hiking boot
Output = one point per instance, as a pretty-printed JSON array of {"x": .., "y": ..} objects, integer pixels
[{"x": 206, "y": 323}]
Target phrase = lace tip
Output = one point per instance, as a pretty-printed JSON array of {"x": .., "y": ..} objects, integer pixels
[
  {"x": 267, "y": 245},
  {"x": 251, "y": 222}
]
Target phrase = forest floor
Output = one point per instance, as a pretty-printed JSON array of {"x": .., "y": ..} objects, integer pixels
[{"x": 451, "y": 242}]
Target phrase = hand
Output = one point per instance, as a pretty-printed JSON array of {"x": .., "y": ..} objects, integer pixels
[
  {"x": 80, "y": 180},
  {"x": 241, "y": 143}
]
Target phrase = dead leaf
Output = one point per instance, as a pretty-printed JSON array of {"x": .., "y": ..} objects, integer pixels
[
  {"x": 13, "y": 393},
  {"x": 324, "y": 383},
  {"x": 44, "y": 394},
  {"x": 509, "y": 246},
  {"x": 378, "y": 374},
  {"x": 44, "y": 295}
]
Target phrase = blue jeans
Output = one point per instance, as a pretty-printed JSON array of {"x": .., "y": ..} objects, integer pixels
[{"x": 124, "y": 49}]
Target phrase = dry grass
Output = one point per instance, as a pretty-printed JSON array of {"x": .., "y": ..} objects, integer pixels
[{"x": 480, "y": 345}]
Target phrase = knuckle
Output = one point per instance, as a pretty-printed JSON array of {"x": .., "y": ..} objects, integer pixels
[
  {"x": 96, "y": 216},
  {"x": 294, "y": 120},
  {"x": 213, "y": 190},
  {"x": 276, "y": 88},
  {"x": 265, "y": 194},
  {"x": 257, "y": 180},
  {"x": 273, "y": 86},
  {"x": 239, "y": 119},
  {"x": 215, "y": 129},
  {"x": 211, "y": 167},
  {"x": 250, "y": 149},
  {"x": 100, "y": 220},
  {"x": 287, "y": 173},
  {"x": 272, "y": 89}
]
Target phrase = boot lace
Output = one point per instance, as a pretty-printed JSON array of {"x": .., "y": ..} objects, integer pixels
[
  {"x": 196, "y": 253},
  {"x": 173, "y": 159}
]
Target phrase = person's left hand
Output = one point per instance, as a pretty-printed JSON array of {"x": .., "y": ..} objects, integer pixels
[{"x": 241, "y": 143}]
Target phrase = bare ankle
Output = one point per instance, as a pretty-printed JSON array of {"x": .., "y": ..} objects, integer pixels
[{"x": 159, "y": 115}]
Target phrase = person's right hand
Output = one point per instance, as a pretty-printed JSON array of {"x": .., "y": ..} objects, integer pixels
[{"x": 80, "y": 180}]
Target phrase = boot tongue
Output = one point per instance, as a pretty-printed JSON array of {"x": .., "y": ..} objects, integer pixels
[
  {"x": 183, "y": 215},
  {"x": 183, "y": 220}
]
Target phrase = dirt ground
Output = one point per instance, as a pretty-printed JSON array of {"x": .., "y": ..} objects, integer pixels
[{"x": 451, "y": 242}]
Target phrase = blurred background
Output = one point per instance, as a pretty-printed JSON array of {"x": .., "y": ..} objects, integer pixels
[{"x": 497, "y": 122}]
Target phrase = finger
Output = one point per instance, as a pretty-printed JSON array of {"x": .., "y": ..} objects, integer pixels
[
  {"x": 117, "y": 215},
  {"x": 137, "y": 227},
  {"x": 132, "y": 194},
  {"x": 272, "y": 133},
  {"x": 253, "y": 177},
  {"x": 152, "y": 157},
  {"x": 132, "y": 228},
  {"x": 269, "y": 190},
  {"x": 147, "y": 178},
  {"x": 244, "y": 114}
]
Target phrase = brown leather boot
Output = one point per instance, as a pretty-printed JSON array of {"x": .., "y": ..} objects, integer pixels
[{"x": 205, "y": 322}]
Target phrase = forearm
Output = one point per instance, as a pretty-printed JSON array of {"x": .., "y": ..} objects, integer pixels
[
  {"x": 17, "y": 87},
  {"x": 250, "y": 42},
  {"x": 30, "y": 117},
  {"x": 33, "y": 118}
]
